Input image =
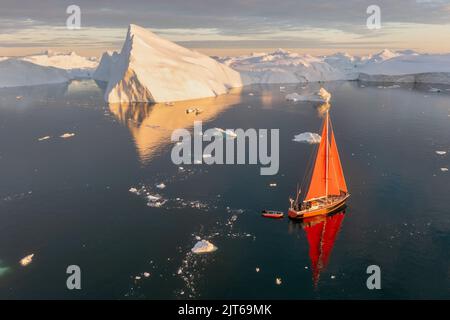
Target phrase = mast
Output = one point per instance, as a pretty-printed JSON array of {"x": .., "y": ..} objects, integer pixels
[{"x": 326, "y": 158}]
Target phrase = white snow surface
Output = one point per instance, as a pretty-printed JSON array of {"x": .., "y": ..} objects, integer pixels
[{"x": 152, "y": 69}]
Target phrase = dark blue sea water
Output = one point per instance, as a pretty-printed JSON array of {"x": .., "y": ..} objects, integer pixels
[{"x": 67, "y": 200}]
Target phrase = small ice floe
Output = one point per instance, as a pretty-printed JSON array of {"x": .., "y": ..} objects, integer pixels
[
  {"x": 67, "y": 135},
  {"x": 444, "y": 169},
  {"x": 257, "y": 269},
  {"x": 155, "y": 201},
  {"x": 44, "y": 138},
  {"x": 441, "y": 153},
  {"x": 19, "y": 98},
  {"x": 278, "y": 281},
  {"x": 307, "y": 137},
  {"x": 134, "y": 190},
  {"x": 435, "y": 90},
  {"x": 228, "y": 133},
  {"x": 26, "y": 260},
  {"x": 137, "y": 278},
  {"x": 333, "y": 277},
  {"x": 146, "y": 274},
  {"x": 203, "y": 246},
  {"x": 321, "y": 96},
  {"x": 272, "y": 184},
  {"x": 161, "y": 185}
]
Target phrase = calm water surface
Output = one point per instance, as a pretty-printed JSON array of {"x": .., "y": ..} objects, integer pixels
[{"x": 68, "y": 200}]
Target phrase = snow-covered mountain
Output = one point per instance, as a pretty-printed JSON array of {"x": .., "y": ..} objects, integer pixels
[{"x": 152, "y": 69}]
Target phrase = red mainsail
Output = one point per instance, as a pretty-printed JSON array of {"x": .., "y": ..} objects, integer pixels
[{"x": 327, "y": 177}]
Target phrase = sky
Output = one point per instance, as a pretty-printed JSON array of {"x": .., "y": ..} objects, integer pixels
[{"x": 228, "y": 27}]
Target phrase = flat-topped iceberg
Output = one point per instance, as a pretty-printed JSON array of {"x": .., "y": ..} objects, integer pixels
[
  {"x": 17, "y": 73},
  {"x": 76, "y": 66},
  {"x": 152, "y": 69}
]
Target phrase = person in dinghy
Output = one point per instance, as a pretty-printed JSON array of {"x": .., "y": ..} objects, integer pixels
[{"x": 327, "y": 190}]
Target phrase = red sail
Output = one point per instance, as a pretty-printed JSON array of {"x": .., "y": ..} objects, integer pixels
[
  {"x": 317, "y": 186},
  {"x": 335, "y": 160},
  {"x": 327, "y": 170}
]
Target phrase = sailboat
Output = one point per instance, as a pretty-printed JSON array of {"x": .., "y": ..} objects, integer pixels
[{"x": 327, "y": 191}]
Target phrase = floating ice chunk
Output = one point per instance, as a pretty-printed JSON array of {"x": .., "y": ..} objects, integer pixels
[
  {"x": 278, "y": 281},
  {"x": 67, "y": 135},
  {"x": 272, "y": 184},
  {"x": 44, "y": 138},
  {"x": 228, "y": 133},
  {"x": 321, "y": 96},
  {"x": 307, "y": 137},
  {"x": 146, "y": 274},
  {"x": 257, "y": 269},
  {"x": 444, "y": 169},
  {"x": 26, "y": 260},
  {"x": 137, "y": 278},
  {"x": 333, "y": 277},
  {"x": 203, "y": 246},
  {"x": 153, "y": 198},
  {"x": 441, "y": 153},
  {"x": 133, "y": 190},
  {"x": 161, "y": 185}
]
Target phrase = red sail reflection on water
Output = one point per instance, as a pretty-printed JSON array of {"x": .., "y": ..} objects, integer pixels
[{"x": 321, "y": 233}]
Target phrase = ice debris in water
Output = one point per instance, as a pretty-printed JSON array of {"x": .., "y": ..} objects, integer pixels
[
  {"x": 278, "y": 281},
  {"x": 44, "y": 138},
  {"x": 67, "y": 135},
  {"x": 307, "y": 137},
  {"x": 444, "y": 169},
  {"x": 441, "y": 153},
  {"x": 321, "y": 96},
  {"x": 27, "y": 260},
  {"x": 161, "y": 185},
  {"x": 203, "y": 246}
]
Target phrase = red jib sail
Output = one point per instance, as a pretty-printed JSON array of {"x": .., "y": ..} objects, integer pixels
[{"x": 327, "y": 177}]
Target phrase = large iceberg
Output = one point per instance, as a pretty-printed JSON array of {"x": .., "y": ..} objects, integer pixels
[
  {"x": 151, "y": 69},
  {"x": 17, "y": 73},
  {"x": 76, "y": 66},
  {"x": 103, "y": 72},
  {"x": 283, "y": 66}
]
